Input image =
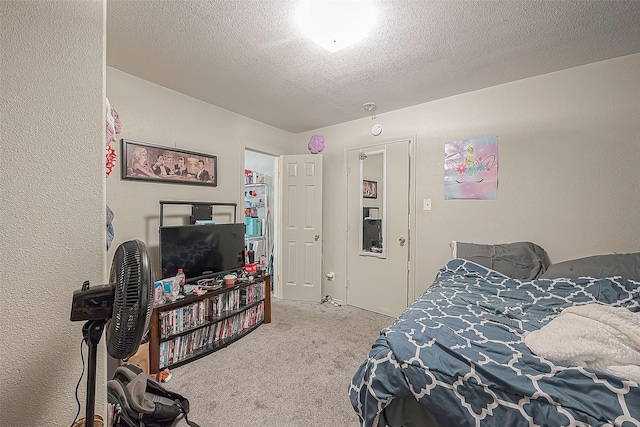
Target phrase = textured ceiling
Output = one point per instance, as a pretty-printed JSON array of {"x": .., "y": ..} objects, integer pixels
[{"x": 247, "y": 56}]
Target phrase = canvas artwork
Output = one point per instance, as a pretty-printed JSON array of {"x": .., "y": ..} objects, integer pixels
[{"x": 471, "y": 169}]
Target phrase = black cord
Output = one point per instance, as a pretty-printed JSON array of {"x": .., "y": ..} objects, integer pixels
[{"x": 78, "y": 384}]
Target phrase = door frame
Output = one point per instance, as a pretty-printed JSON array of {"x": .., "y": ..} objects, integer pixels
[{"x": 411, "y": 279}]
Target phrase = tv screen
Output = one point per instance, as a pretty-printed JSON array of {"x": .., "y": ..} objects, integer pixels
[{"x": 201, "y": 250}]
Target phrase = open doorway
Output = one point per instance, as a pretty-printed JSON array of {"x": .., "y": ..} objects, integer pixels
[{"x": 260, "y": 209}]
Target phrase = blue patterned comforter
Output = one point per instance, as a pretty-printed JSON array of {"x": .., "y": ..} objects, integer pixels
[{"x": 459, "y": 350}]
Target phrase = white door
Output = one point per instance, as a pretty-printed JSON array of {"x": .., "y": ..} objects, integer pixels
[
  {"x": 301, "y": 248},
  {"x": 379, "y": 281}
]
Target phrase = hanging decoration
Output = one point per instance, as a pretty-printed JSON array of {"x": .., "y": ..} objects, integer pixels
[
  {"x": 110, "y": 232},
  {"x": 316, "y": 144},
  {"x": 111, "y": 159},
  {"x": 113, "y": 128}
]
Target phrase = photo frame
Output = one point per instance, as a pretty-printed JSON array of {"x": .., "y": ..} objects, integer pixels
[
  {"x": 369, "y": 189},
  {"x": 147, "y": 162}
]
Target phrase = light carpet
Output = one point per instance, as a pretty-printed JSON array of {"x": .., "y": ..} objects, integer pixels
[{"x": 293, "y": 372}]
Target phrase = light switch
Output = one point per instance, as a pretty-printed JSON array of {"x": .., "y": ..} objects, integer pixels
[{"x": 426, "y": 203}]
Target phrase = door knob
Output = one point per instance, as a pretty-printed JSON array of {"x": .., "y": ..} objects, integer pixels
[
  {"x": 317, "y": 236},
  {"x": 402, "y": 240}
]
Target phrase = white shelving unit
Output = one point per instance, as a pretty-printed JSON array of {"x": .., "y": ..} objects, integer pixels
[{"x": 256, "y": 209}]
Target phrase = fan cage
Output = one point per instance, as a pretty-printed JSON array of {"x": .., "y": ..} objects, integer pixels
[{"x": 132, "y": 279}]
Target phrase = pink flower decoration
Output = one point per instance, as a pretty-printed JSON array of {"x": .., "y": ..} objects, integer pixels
[{"x": 316, "y": 144}]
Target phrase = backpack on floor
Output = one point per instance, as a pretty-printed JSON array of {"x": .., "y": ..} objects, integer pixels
[{"x": 141, "y": 401}]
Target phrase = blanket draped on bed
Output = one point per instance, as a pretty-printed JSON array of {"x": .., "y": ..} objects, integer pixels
[
  {"x": 594, "y": 336},
  {"x": 459, "y": 350}
]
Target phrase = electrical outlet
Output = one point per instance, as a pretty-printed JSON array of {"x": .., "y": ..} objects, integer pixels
[{"x": 331, "y": 275}]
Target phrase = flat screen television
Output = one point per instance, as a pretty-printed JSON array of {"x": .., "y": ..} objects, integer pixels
[{"x": 201, "y": 251}]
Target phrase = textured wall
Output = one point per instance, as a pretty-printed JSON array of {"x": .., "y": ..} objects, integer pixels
[
  {"x": 157, "y": 115},
  {"x": 52, "y": 215},
  {"x": 568, "y": 167}
]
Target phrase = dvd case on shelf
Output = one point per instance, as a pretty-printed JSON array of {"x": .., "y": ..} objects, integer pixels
[{"x": 206, "y": 324}]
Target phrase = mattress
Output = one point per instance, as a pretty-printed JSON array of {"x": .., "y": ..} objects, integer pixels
[{"x": 459, "y": 350}]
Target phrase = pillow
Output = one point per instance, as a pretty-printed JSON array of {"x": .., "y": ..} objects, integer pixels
[
  {"x": 625, "y": 265},
  {"x": 520, "y": 260}
]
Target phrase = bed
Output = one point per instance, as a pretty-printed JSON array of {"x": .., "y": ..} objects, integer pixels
[{"x": 460, "y": 354}]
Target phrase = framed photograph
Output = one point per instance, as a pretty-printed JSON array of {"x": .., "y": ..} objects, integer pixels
[
  {"x": 369, "y": 189},
  {"x": 148, "y": 162}
]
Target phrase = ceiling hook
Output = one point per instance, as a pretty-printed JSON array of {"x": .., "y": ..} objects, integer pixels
[{"x": 369, "y": 106}]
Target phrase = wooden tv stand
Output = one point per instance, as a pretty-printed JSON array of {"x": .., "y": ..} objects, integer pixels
[{"x": 197, "y": 325}]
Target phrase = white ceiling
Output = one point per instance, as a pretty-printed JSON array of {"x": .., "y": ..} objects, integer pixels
[{"x": 247, "y": 56}]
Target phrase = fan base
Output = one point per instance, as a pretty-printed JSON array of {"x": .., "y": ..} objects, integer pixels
[{"x": 98, "y": 421}]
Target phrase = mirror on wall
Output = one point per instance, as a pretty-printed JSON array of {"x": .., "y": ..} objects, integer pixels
[{"x": 373, "y": 203}]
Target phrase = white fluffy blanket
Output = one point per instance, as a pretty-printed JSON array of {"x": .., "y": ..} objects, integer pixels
[{"x": 593, "y": 336}]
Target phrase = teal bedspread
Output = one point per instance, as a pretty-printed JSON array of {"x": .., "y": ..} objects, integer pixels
[{"x": 459, "y": 350}]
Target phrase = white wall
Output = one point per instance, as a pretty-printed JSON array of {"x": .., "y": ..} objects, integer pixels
[
  {"x": 569, "y": 150},
  {"x": 154, "y": 114},
  {"x": 53, "y": 214}
]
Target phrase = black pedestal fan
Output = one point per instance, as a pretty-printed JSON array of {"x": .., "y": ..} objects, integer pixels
[{"x": 123, "y": 307}]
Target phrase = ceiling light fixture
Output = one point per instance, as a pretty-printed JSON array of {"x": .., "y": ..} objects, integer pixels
[{"x": 334, "y": 24}]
